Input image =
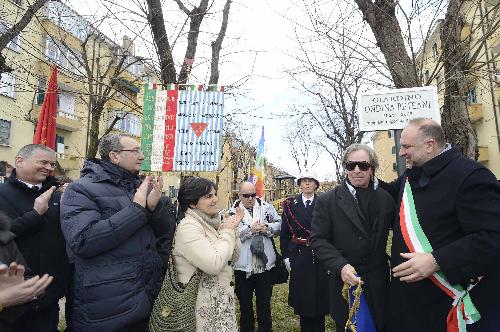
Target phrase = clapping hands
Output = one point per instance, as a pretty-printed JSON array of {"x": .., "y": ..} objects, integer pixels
[
  {"x": 150, "y": 200},
  {"x": 233, "y": 221}
]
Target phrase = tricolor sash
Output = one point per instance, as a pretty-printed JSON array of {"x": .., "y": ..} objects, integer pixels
[{"x": 463, "y": 310}]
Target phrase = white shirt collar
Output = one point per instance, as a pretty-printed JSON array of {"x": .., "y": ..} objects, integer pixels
[
  {"x": 304, "y": 199},
  {"x": 29, "y": 185}
]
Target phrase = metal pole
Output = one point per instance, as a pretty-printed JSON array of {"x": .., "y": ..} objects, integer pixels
[{"x": 400, "y": 161}]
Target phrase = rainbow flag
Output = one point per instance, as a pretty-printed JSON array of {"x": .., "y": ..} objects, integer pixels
[{"x": 257, "y": 177}]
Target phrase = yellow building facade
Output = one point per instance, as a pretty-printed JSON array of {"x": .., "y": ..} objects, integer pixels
[
  {"x": 483, "y": 85},
  {"x": 56, "y": 38}
]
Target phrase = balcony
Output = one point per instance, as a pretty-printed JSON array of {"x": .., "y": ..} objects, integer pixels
[
  {"x": 67, "y": 121},
  {"x": 475, "y": 112},
  {"x": 64, "y": 121},
  {"x": 483, "y": 154},
  {"x": 68, "y": 162}
]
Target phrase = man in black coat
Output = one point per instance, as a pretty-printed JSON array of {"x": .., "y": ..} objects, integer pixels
[
  {"x": 308, "y": 278},
  {"x": 457, "y": 203},
  {"x": 30, "y": 199},
  {"x": 350, "y": 227},
  {"x": 119, "y": 228}
]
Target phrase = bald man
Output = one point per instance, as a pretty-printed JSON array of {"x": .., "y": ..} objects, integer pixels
[
  {"x": 252, "y": 270},
  {"x": 446, "y": 238}
]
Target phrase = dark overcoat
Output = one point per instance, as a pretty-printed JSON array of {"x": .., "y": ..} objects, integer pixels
[
  {"x": 116, "y": 245},
  {"x": 38, "y": 237},
  {"x": 339, "y": 238},
  {"x": 308, "y": 278},
  {"x": 458, "y": 205}
]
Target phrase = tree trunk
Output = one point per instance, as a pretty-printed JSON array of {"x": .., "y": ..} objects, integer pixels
[
  {"x": 94, "y": 135},
  {"x": 155, "y": 19},
  {"x": 381, "y": 17},
  {"x": 16, "y": 29},
  {"x": 196, "y": 17},
  {"x": 455, "y": 117}
]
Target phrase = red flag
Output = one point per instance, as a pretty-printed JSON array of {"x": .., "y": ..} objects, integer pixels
[{"x": 46, "y": 127}]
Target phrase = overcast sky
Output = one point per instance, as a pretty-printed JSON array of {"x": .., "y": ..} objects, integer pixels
[{"x": 259, "y": 41}]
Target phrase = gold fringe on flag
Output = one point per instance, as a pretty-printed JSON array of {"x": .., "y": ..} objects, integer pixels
[{"x": 351, "y": 322}]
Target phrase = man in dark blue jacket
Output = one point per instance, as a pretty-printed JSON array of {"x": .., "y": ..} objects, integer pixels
[
  {"x": 446, "y": 244},
  {"x": 119, "y": 229}
]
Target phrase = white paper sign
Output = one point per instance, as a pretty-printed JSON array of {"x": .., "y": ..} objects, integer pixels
[{"x": 393, "y": 109}]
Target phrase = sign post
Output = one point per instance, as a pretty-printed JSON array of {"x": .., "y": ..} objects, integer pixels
[{"x": 395, "y": 108}]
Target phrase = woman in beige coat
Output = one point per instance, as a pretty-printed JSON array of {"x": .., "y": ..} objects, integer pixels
[{"x": 202, "y": 242}]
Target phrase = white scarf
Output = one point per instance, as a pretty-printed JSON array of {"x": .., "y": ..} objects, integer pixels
[
  {"x": 256, "y": 212},
  {"x": 257, "y": 264}
]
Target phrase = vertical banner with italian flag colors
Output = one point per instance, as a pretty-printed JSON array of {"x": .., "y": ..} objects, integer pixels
[
  {"x": 257, "y": 177},
  {"x": 182, "y": 130}
]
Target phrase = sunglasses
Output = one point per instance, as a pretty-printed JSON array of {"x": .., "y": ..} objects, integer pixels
[
  {"x": 363, "y": 165},
  {"x": 249, "y": 195}
]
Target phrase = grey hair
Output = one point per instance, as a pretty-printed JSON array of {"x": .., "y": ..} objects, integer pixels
[
  {"x": 429, "y": 129},
  {"x": 356, "y": 147},
  {"x": 110, "y": 142},
  {"x": 27, "y": 151}
]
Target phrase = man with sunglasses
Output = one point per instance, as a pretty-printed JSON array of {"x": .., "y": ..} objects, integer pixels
[
  {"x": 350, "y": 226},
  {"x": 257, "y": 256},
  {"x": 119, "y": 228},
  {"x": 446, "y": 244}
]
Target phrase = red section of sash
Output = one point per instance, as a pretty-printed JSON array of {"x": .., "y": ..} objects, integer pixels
[
  {"x": 452, "y": 321},
  {"x": 443, "y": 288},
  {"x": 404, "y": 230},
  {"x": 170, "y": 130}
]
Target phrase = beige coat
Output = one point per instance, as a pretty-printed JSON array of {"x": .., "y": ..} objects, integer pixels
[{"x": 197, "y": 245}]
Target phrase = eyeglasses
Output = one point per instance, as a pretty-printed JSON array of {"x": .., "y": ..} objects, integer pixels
[
  {"x": 135, "y": 151},
  {"x": 249, "y": 195},
  {"x": 363, "y": 165}
]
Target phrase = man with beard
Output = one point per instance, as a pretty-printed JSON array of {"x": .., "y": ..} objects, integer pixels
[{"x": 446, "y": 245}]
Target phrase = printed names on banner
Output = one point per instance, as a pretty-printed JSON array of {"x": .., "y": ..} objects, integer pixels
[
  {"x": 182, "y": 130},
  {"x": 199, "y": 131}
]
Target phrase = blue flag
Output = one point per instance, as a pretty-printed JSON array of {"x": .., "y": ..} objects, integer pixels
[{"x": 362, "y": 318}]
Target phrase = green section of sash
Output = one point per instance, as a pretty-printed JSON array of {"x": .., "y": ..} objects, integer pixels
[
  {"x": 148, "y": 117},
  {"x": 469, "y": 308}
]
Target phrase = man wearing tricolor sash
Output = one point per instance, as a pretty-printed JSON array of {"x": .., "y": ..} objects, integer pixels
[{"x": 446, "y": 244}]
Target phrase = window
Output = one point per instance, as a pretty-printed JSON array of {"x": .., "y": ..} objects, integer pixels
[
  {"x": 66, "y": 103},
  {"x": 128, "y": 123},
  {"x": 69, "y": 59},
  {"x": 434, "y": 51},
  {"x": 394, "y": 167},
  {"x": 393, "y": 150},
  {"x": 389, "y": 133},
  {"x": 41, "y": 91},
  {"x": 5, "y": 132},
  {"x": 172, "y": 191},
  {"x": 14, "y": 42},
  {"x": 60, "y": 144},
  {"x": 8, "y": 85},
  {"x": 471, "y": 96}
]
